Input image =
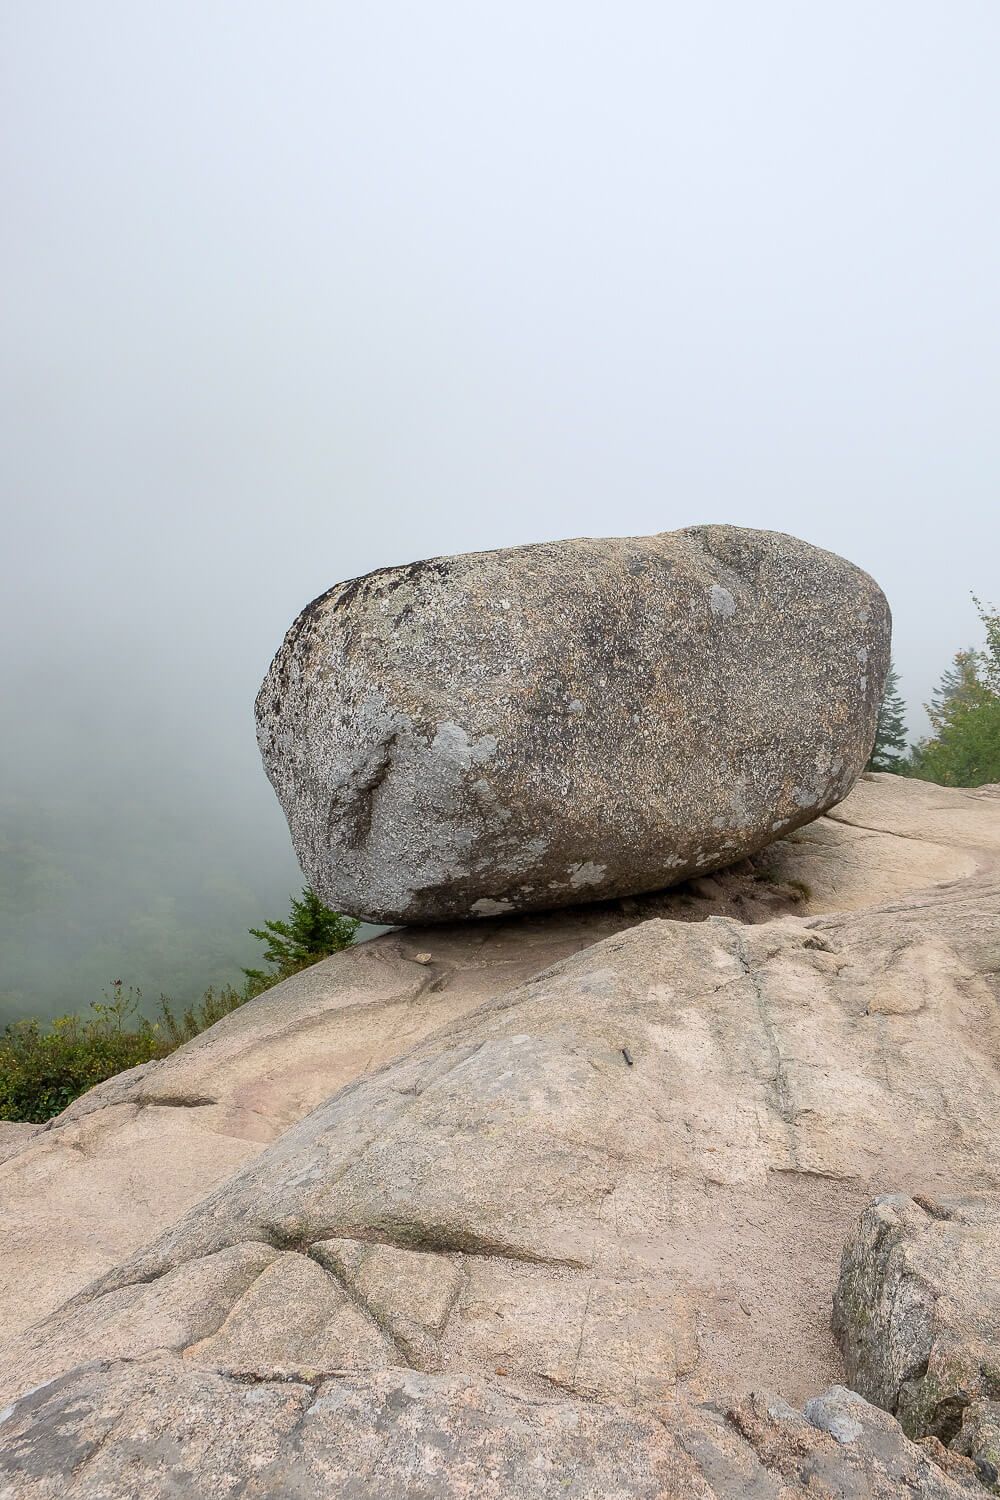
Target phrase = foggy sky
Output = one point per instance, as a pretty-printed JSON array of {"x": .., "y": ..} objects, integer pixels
[{"x": 295, "y": 290}]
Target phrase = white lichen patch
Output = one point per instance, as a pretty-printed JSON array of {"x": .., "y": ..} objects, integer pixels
[
  {"x": 586, "y": 873},
  {"x": 846, "y": 1429},
  {"x": 521, "y": 859},
  {"x": 740, "y": 816},
  {"x": 486, "y": 907},
  {"x": 451, "y": 742},
  {"x": 721, "y": 601}
]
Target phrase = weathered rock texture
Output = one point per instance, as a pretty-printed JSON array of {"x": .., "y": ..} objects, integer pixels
[
  {"x": 917, "y": 1310},
  {"x": 526, "y": 729},
  {"x": 133, "y": 1154},
  {"x": 161, "y": 1430},
  {"x": 618, "y": 1179},
  {"x": 979, "y": 1440}
]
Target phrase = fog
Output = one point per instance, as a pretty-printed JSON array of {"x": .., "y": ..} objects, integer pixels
[{"x": 292, "y": 291}]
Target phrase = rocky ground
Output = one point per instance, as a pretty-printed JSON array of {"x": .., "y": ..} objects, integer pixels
[{"x": 551, "y": 1206}]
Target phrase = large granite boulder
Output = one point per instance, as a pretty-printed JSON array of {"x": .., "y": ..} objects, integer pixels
[{"x": 531, "y": 728}]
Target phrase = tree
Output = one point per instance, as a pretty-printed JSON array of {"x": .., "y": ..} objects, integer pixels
[
  {"x": 964, "y": 749},
  {"x": 312, "y": 932},
  {"x": 989, "y": 660},
  {"x": 957, "y": 685},
  {"x": 889, "y": 749}
]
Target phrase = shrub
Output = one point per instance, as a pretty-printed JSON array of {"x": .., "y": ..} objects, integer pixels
[
  {"x": 43, "y": 1071},
  {"x": 964, "y": 749},
  {"x": 312, "y": 932},
  {"x": 200, "y": 1014}
]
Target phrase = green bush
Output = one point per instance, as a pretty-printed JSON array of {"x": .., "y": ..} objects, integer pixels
[
  {"x": 43, "y": 1071},
  {"x": 201, "y": 1014},
  {"x": 964, "y": 749},
  {"x": 312, "y": 932}
]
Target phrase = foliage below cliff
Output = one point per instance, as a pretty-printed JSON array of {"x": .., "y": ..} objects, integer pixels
[
  {"x": 964, "y": 749},
  {"x": 43, "y": 1069}
]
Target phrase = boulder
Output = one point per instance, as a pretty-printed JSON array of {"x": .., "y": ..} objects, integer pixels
[
  {"x": 531, "y": 728},
  {"x": 917, "y": 1311}
]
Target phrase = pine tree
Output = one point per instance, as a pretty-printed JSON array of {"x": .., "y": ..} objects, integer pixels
[
  {"x": 889, "y": 749},
  {"x": 965, "y": 714},
  {"x": 312, "y": 932},
  {"x": 958, "y": 685},
  {"x": 989, "y": 660}
]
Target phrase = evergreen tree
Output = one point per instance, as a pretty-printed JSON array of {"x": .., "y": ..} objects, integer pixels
[
  {"x": 989, "y": 660},
  {"x": 964, "y": 749},
  {"x": 957, "y": 685},
  {"x": 889, "y": 749},
  {"x": 312, "y": 932}
]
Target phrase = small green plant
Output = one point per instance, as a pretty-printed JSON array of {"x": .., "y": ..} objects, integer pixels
[
  {"x": 800, "y": 890},
  {"x": 43, "y": 1071},
  {"x": 200, "y": 1014},
  {"x": 312, "y": 932}
]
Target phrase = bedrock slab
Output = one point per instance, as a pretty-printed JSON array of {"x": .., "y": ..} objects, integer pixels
[
  {"x": 159, "y": 1429},
  {"x": 133, "y": 1155},
  {"x": 629, "y": 1176}
]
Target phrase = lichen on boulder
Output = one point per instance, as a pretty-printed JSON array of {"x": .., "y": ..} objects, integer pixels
[{"x": 917, "y": 1309}]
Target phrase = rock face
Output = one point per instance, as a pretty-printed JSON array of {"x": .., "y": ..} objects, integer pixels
[
  {"x": 132, "y": 1155},
  {"x": 161, "y": 1430},
  {"x": 128, "y": 1159},
  {"x": 979, "y": 1439},
  {"x": 917, "y": 1312},
  {"x": 525, "y": 729},
  {"x": 630, "y": 1176}
]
